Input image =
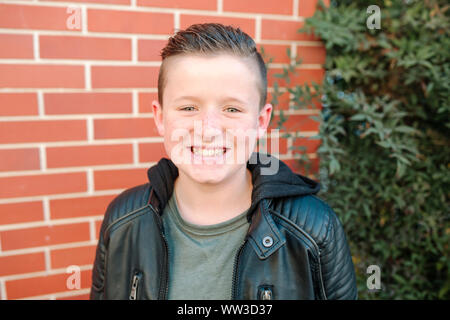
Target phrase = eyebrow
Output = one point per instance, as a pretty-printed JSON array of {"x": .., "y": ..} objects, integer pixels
[
  {"x": 225, "y": 99},
  {"x": 186, "y": 98}
]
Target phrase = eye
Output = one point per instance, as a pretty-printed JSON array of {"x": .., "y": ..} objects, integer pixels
[
  {"x": 235, "y": 110},
  {"x": 185, "y": 108}
]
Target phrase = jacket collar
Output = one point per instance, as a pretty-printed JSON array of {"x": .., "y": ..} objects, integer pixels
[{"x": 263, "y": 233}]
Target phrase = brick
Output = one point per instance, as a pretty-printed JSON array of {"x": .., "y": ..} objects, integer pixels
[
  {"x": 76, "y": 297},
  {"x": 311, "y": 145},
  {"x": 283, "y": 101},
  {"x": 314, "y": 105},
  {"x": 34, "y": 17},
  {"x": 88, "y": 103},
  {"x": 42, "y": 131},
  {"x": 44, "y": 184},
  {"x": 182, "y": 4},
  {"x": 18, "y": 104},
  {"x": 16, "y": 46},
  {"x": 276, "y": 52},
  {"x": 44, "y": 236},
  {"x": 246, "y": 25},
  {"x": 130, "y": 22},
  {"x": 258, "y": 6},
  {"x": 312, "y": 55},
  {"x": 302, "y": 77},
  {"x": 88, "y": 48},
  {"x": 48, "y": 284},
  {"x": 79, "y": 207},
  {"x": 98, "y": 226},
  {"x": 283, "y": 30},
  {"x": 265, "y": 146},
  {"x": 295, "y": 122},
  {"x": 79, "y": 256},
  {"x": 150, "y": 50},
  {"x": 145, "y": 101},
  {"x": 22, "y": 263},
  {"x": 124, "y": 128},
  {"x": 21, "y": 212},
  {"x": 306, "y": 8},
  {"x": 41, "y": 76},
  {"x": 119, "y": 179},
  {"x": 93, "y": 155},
  {"x": 19, "y": 159},
  {"x": 152, "y": 152},
  {"x": 124, "y": 77},
  {"x": 97, "y": 1}
]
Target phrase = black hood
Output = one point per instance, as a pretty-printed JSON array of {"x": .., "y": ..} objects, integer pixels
[{"x": 282, "y": 184}]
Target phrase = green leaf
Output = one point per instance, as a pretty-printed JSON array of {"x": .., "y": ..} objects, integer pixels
[
  {"x": 358, "y": 117},
  {"x": 405, "y": 129}
]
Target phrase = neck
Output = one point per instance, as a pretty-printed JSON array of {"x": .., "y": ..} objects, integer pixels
[{"x": 206, "y": 204}]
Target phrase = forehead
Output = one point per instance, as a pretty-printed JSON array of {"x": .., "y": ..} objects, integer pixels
[{"x": 189, "y": 74}]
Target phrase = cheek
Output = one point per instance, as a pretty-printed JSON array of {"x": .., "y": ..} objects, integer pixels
[
  {"x": 248, "y": 128},
  {"x": 245, "y": 137},
  {"x": 176, "y": 130}
]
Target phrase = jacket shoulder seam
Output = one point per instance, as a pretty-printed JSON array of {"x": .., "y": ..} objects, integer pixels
[
  {"x": 297, "y": 227},
  {"x": 117, "y": 206},
  {"x": 125, "y": 218},
  {"x": 325, "y": 217}
]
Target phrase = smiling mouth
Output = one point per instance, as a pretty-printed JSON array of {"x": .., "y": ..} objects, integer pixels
[{"x": 208, "y": 152}]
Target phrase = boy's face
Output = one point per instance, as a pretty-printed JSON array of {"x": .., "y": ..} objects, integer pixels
[{"x": 211, "y": 102}]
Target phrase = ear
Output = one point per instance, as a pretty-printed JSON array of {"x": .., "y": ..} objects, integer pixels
[
  {"x": 158, "y": 117},
  {"x": 264, "y": 119}
]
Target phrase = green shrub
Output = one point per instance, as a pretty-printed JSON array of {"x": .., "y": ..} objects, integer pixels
[{"x": 384, "y": 129}]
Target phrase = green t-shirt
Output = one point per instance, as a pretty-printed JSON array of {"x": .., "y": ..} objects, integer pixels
[{"x": 201, "y": 258}]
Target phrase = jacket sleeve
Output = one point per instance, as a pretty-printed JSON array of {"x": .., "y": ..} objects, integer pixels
[
  {"x": 98, "y": 270},
  {"x": 336, "y": 263}
]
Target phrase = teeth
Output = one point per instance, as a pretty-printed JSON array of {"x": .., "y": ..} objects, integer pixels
[{"x": 208, "y": 152}]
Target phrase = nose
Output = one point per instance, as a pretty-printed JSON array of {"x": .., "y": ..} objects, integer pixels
[{"x": 210, "y": 125}]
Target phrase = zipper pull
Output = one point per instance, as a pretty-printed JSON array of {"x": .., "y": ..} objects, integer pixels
[
  {"x": 267, "y": 295},
  {"x": 265, "y": 292},
  {"x": 134, "y": 286}
]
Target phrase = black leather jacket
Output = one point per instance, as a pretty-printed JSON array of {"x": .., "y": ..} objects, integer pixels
[{"x": 295, "y": 247}]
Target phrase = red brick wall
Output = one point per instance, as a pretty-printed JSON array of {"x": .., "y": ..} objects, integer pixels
[{"x": 75, "y": 121}]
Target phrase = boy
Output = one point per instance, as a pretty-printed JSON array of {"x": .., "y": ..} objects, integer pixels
[{"x": 214, "y": 222}]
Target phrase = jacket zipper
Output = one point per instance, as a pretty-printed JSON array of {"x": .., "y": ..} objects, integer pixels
[
  {"x": 163, "y": 289},
  {"x": 134, "y": 285},
  {"x": 163, "y": 295},
  {"x": 235, "y": 276}
]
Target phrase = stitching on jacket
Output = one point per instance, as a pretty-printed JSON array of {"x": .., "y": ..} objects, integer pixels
[
  {"x": 100, "y": 289},
  {"x": 123, "y": 218},
  {"x": 292, "y": 230},
  {"x": 267, "y": 209},
  {"x": 254, "y": 243},
  {"x": 296, "y": 227},
  {"x": 330, "y": 225},
  {"x": 273, "y": 228}
]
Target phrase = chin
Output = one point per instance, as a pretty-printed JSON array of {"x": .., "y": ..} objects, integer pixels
[{"x": 206, "y": 175}]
